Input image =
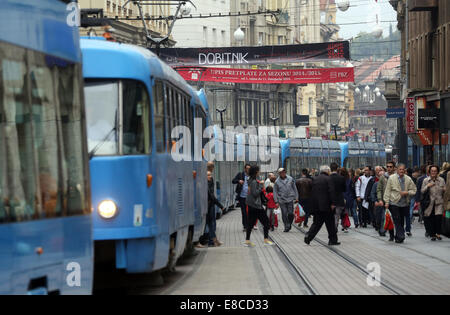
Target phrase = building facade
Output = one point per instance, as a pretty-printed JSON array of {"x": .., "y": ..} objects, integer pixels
[
  {"x": 127, "y": 31},
  {"x": 425, "y": 65}
]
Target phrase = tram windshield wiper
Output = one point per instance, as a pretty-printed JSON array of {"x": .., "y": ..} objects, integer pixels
[{"x": 99, "y": 145}]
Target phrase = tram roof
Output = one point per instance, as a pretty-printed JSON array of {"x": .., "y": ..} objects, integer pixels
[
  {"x": 41, "y": 26},
  {"x": 111, "y": 60}
]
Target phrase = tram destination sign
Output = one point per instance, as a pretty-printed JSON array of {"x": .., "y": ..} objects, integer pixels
[{"x": 251, "y": 55}]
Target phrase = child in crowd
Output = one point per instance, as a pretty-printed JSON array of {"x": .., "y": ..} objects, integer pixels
[{"x": 271, "y": 206}]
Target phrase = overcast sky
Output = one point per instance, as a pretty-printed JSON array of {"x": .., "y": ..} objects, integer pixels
[{"x": 365, "y": 11}]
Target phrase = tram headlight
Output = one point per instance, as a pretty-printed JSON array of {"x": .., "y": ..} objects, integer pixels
[{"x": 107, "y": 209}]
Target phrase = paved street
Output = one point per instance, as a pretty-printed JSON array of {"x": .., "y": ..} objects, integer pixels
[{"x": 416, "y": 267}]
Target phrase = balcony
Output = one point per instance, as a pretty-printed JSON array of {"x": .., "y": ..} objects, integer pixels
[{"x": 422, "y": 5}]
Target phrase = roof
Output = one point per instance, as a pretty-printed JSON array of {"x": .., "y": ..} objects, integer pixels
[{"x": 368, "y": 71}]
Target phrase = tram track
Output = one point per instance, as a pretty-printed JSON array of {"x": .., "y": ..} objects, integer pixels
[
  {"x": 388, "y": 286},
  {"x": 295, "y": 268},
  {"x": 405, "y": 247}
]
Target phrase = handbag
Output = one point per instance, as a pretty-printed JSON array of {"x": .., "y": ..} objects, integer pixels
[
  {"x": 346, "y": 221},
  {"x": 425, "y": 200}
]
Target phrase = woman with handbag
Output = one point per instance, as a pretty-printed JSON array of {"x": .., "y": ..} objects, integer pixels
[
  {"x": 255, "y": 206},
  {"x": 433, "y": 189}
]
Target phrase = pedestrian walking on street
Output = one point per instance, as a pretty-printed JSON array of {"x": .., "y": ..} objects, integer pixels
[
  {"x": 444, "y": 171},
  {"x": 350, "y": 196},
  {"x": 270, "y": 181},
  {"x": 434, "y": 186},
  {"x": 381, "y": 188},
  {"x": 425, "y": 171},
  {"x": 339, "y": 190},
  {"x": 361, "y": 197},
  {"x": 241, "y": 180},
  {"x": 285, "y": 193},
  {"x": 399, "y": 189},
  {"x": 378, "y": 207},
  {"x": 255, "y": 207},
  {"x": 211, "y": 215},
  {"x": 322, "y": 206},
  {"x": 271, "y": 206},
  {"x": 446, "y": 225},
  {"x": 304, "y": 188}
]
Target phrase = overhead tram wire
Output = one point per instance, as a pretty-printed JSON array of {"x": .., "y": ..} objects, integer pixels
[{"x": 363, "y": 3}]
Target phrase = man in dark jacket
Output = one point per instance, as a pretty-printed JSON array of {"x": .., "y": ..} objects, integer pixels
[
  {"x": 424, "y": 172},
  {"x": 304, "y": 187},
  {"x": 339, "y": 190},
  {"x": 241, "y": 179},
  {"x": 323, "y": 204},
  {"x": 367, "y": 193}
]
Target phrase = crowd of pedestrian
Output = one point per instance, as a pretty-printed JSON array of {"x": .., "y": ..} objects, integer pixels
[{"x": 370, "y": 195}]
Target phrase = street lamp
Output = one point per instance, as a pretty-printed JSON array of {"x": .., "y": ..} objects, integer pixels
[
  {"x": 186, "y": 8},
  {"x": 221, "y": 111},
  {"x": 239, "y": 35},
  {"x": 343, "y": 5},
  {"x": 274, "y": 119}
]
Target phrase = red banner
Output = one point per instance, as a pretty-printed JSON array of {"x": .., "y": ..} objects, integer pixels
[
  {"x": 292, "y": 76},
  {"x": 410, "y": 115}
]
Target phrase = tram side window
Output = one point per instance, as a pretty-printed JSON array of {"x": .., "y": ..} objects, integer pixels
[
  {"x": 158, "y": 94},
  {"x": 136, "y": 118},
  {"x": 42, "y": 155}
]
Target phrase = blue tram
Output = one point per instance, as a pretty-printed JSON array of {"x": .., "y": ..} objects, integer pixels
[
  {"x": 300, "y": 153},
  {"x": 147, "y": 208},
  {"x": 45, "y": 213}
]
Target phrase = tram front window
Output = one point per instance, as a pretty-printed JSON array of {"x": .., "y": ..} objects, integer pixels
[
  {"x": 102, "y": 103},
  {"x": 103, "y": 117}
]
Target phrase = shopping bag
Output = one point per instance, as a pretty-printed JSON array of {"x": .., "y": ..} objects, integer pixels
[
  {"x": 416, "y": 209},
  {"x": 276, "y": 218},
  {"x": 346, "y": 221},
  {"x": 297, "y": 214},
  {"x": 388, "y": 223},
  {"x": 302, "y": 211}
]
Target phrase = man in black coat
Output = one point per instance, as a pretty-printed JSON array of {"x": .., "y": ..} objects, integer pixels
[
  {"x": 323, "y": 204},
  {"x": 339, "y": 190},
  {"x": 241, "y": 193}
]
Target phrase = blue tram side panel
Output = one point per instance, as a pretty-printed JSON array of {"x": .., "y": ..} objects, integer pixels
[
  {"x": 300, "y": 153},
  {"x": 45, "y": 249},
  {"x": 144, "y": 202}
]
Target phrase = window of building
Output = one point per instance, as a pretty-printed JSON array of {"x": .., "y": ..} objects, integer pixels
[{"x": 205, "y": 35}]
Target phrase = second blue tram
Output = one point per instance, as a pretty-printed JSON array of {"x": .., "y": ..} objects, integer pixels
[{"x": 147, "y": 208}]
